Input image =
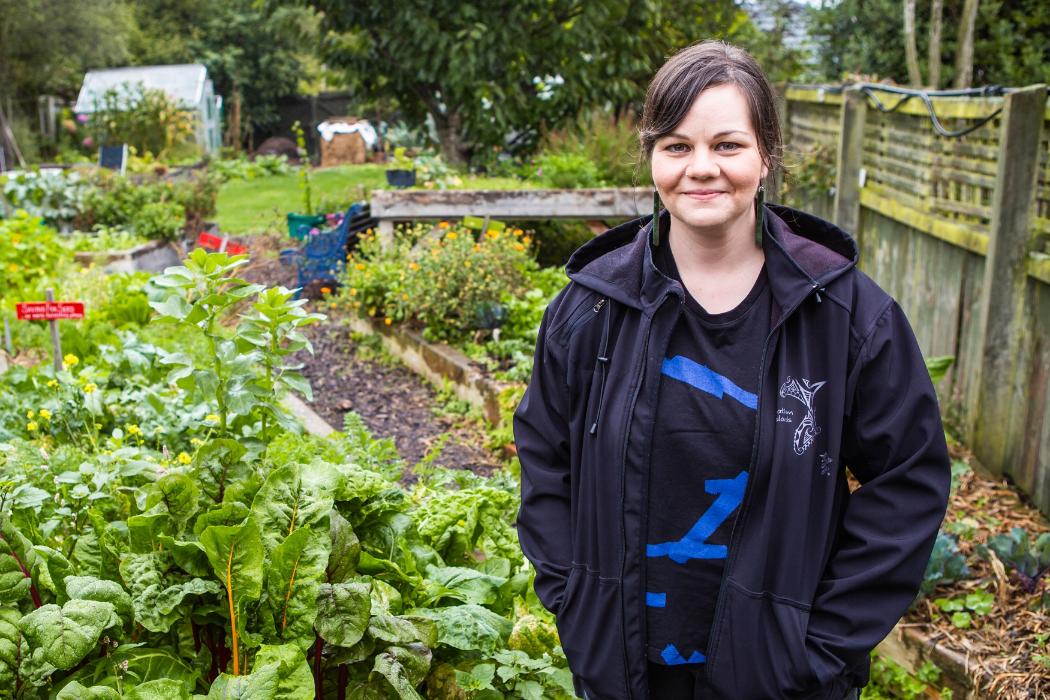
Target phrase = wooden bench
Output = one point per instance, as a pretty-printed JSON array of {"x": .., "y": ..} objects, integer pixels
[{"x": 391, "y": 206}]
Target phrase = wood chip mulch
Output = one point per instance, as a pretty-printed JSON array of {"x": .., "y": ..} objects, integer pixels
[{"x": 1003, "y": 649}]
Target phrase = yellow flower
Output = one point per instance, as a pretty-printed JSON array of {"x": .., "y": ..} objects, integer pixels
[
  {"x": 492, "y": 235},
  {"x": 388, "y": 320},
  {"x": 353, "y": 291},
  {"x": 404, "y": 297},
  {"x": 326, "y": 290},
  {"x": 90, "y": 388},
  {"x": 413, "y": 266},
  {"x": 372, "y": 311},
  {"x": 359, "y": 266},
  {"x": 45, "y": 414},
  {"x": 31, "y": 426},
  {"x": 53, "y": 383},
  {"x": 196, "y": 442},
  {"x": 70, "y": 360},
  {"x": 443, "y": 224},
  {"x": 184, "y": 458},
  {"x": 133, "y": 429},
  {"x": 211, "y": 418},
  {"x": 30, "y": 413},
  {"x": 518, "y": 232},
  {"x": 526, "y": 240},
  {"x": 451, "y": 235},
  {"x": 519, "y": 247}
]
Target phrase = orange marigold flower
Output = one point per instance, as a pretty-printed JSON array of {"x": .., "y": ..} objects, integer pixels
[{"x": 326, "y": 290}]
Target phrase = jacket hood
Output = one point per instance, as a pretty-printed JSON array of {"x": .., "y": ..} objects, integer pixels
[{"x": 803, "y": 253}]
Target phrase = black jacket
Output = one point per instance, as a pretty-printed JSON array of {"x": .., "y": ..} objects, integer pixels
[{"x": 816, "y": 576}]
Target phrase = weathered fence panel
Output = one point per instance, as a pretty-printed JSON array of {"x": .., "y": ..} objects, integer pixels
[{"x": 958, "y": 231}]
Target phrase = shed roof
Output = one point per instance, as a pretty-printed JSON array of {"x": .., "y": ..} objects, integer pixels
[{"x": 184, "y": 83}]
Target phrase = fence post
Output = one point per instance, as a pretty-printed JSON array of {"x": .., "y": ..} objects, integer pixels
[
  {"x": 1003, "y": 316},
  {"x": 850, "y": 156}
]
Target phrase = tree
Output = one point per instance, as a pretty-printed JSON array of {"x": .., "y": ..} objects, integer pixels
[
  {"x": 964, "y": 47},
  {"x": 933, "y": 52},
  {"x": 484, "y": 71},
  {"x": 47, "y": 45},
  {"x": 911, "y": 52},
  {"x": 864, "y": 37},
  {"x": 254, "y": 51}
]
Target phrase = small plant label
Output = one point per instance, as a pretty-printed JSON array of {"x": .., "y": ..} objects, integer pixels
[
  {"x": 49, "y": 310},
  {"x": 213, "y": 242}
]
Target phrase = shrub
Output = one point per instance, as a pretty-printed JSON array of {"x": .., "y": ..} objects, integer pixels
[
  {"x": 29, "y": 252},
  {"x": 567, "y": 170},
  {"x": 447, "y": 283},
  {"x": 144, "y": 118},
  {"x": 460, "y": 277},
  {"x": 119, "y": 202},
  {"x": 608, "y": 142}
]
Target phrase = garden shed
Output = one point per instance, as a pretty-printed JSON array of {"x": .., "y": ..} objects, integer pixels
[{"x": 187, "y": 84}]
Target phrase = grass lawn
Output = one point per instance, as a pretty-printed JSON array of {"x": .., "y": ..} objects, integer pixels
[{"x": 255, "y": 206}]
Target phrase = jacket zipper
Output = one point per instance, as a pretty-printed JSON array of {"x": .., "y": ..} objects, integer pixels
[
  {"x": 584, "y": 316},
  {"x": 623, "y": 477},
  {"x": 734, "y": 535}
]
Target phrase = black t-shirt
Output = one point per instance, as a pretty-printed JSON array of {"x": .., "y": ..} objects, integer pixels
[{"x": 705, "y": 425}]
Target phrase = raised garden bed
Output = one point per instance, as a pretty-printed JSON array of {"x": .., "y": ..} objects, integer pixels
[
  {"x": 151, "y": 257},
  {"x": 437, "y": 363}
]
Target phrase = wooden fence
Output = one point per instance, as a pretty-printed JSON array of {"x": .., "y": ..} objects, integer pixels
[{"x": 958, "y": 231}]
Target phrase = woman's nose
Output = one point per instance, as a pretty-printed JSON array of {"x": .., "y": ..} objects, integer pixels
[{"x": 702, "y": 164}]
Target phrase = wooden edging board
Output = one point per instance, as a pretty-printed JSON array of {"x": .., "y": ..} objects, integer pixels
[
  {"x": 910, "y": 648},
  {"x": 151, "y": 257},
  {"x": 437, "y": 363}
]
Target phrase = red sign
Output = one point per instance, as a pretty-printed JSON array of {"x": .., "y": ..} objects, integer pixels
[
  {"x": 212, "y": 242},
  {"x": 49, "y": 310}
]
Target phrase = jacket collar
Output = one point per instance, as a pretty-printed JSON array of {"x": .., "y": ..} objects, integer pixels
[{"x": 803, "y": 254}]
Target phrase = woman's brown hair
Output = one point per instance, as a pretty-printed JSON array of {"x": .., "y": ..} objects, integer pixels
[{"x": 694, "y": 69}]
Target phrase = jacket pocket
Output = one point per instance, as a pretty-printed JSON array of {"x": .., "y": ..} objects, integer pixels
[
  {"x": 760, "y": 652},
  {"x": 590, "y": 625}
]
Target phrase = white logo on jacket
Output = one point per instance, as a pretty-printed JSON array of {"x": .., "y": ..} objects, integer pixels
[{"x": 804, "y": 391}]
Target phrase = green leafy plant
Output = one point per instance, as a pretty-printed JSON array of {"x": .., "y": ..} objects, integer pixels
[
  {"x": 304, "y": 168},
  {"x": 963, "y": 610},
  {"x": 56, "y": 197},
  {"x": 197, "y": 296},
  {"x": 891, "y": 681},
  {"x": 1029, "y": 558},
  {"x": 939, "y": 366},
  {"x": 947, "y": 564}
]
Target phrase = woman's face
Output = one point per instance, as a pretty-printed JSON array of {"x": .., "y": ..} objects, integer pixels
[{"x": 708, "y": 170}]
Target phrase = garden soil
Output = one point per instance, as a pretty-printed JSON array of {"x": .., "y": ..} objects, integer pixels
[{"x": 392, "y": 401}]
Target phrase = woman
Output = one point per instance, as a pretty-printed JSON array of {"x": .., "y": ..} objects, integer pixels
[{"x": 698, "y": 391}]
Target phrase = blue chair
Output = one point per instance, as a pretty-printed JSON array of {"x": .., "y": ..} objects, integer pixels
[{"x": 322, "y": 257}]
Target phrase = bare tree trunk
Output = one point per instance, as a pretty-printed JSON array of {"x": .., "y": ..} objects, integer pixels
[
  {"x": 911, "y": 52},
  {"x": 450, "y": 133},
  {"x": 933, "y": 56},
  {"x": 233, "y": 123},
  {"x": 964, "y": 47}
]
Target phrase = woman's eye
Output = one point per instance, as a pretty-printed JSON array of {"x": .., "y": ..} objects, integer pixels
[
  {"x": 677, "y": 148},
  {"x": 727, "y": 146}
]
